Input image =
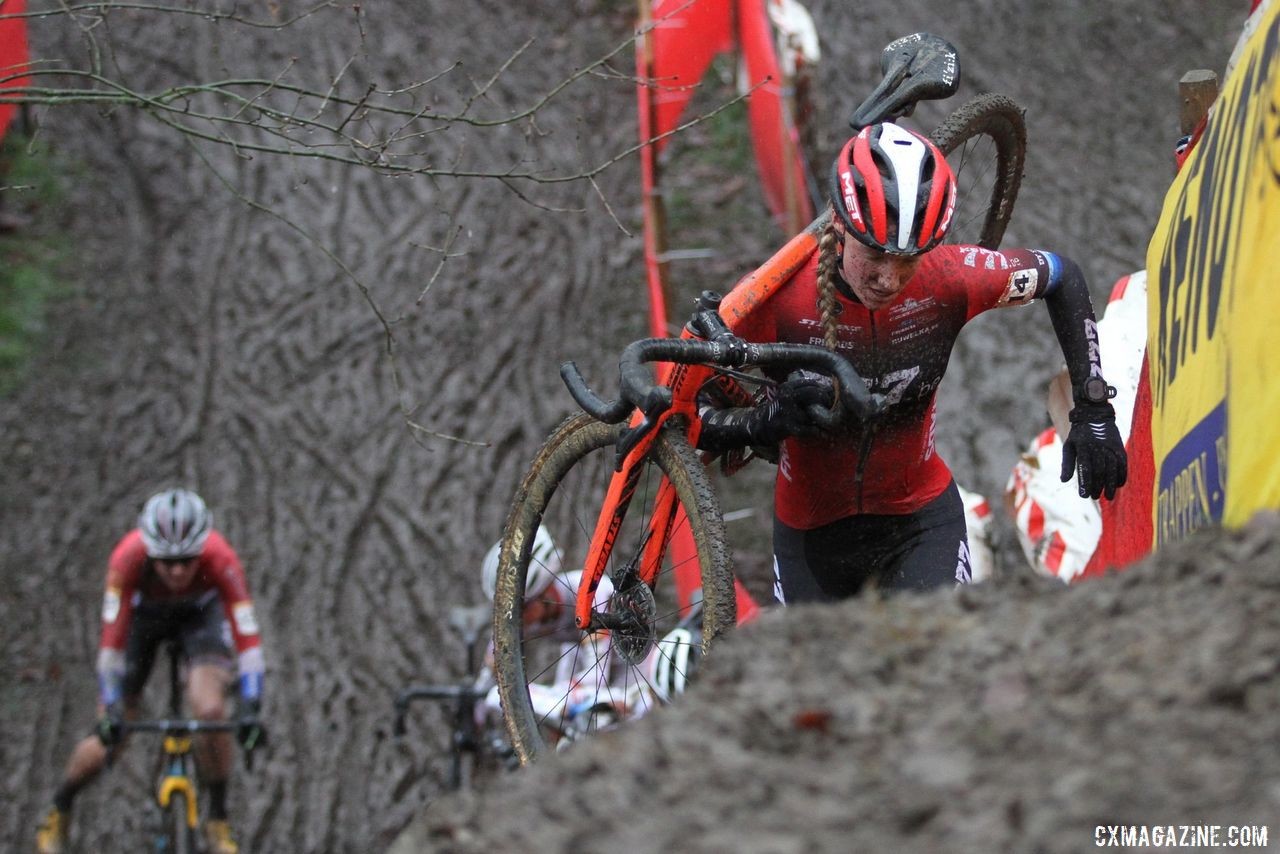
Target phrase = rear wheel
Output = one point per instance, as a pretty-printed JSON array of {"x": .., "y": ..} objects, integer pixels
[
  {"x": 985, "y": 141},
  {"x": 557, "y": 682}
]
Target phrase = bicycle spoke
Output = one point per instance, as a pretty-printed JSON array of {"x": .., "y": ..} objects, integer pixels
[
  {"x": 569, "y": 681},
  {"x": 985, "y": 143}
]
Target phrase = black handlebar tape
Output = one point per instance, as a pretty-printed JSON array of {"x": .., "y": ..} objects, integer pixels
[
  {"x": 638, "y": 389},
  {"x": 637, "y": 378},
  {"x": 610, "y": 412}
]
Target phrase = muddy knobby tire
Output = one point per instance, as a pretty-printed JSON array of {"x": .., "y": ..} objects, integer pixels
[
  {"x": 587, "y": 445},
  {"x": 1000, "y": 120},
  {"x": 181, "y": 837}
]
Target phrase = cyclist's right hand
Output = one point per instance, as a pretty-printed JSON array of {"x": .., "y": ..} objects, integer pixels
[
  {"x": 786, "y": 413},
  {"x": 110, "y": 726}
]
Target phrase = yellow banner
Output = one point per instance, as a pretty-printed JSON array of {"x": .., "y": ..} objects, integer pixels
[{"x": 1214, "y": 309}]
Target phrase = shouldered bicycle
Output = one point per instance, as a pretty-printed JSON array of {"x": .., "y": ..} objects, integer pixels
[{"x": 617, "y": 499}]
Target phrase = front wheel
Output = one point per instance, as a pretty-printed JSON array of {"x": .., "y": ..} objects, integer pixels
[
  {"x": 985, "y": 141},
  {"x": 181, "y": 836},
  {"x": 557, "y": 682}
]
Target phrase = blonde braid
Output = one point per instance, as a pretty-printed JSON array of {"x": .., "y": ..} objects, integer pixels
[{"x": 828, "y": 306}]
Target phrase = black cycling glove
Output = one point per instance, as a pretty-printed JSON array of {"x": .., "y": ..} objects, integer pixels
[
  {"x": 110, "y": 727},
  {"x": 786, "y": 412},
  {"x": 249, "y": 729},
  {"x": 783, "y": 413},
  {"x": 1094, "y": 452}
]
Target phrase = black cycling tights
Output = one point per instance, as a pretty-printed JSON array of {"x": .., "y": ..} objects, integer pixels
[{"x": 918, "y": 551}]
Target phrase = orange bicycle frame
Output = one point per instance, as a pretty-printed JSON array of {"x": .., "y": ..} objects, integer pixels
[{"x": 684, "y": 382}]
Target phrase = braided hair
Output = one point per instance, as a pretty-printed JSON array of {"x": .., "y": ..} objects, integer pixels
[
  {"x": 828, "y": 305},
  {"x": 828, "y": 261}
]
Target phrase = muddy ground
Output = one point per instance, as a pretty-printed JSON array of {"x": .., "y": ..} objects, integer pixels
[
  {"x": 210, "y": 336},
  {"x": 1012, "y": 716}
]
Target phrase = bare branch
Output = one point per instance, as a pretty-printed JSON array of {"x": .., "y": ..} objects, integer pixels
[
  {"x": 103, "y": 8},
  {"x": 444, "y": 257},
  {"x": 596, "y": 186}
]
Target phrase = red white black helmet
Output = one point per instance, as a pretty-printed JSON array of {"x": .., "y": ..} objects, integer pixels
[
  {"x": 174, "y": 524},
  {"x": 544, "y": 565},
  {"x": 893, "y": 189},
  {"x": 674, "y": 662}
]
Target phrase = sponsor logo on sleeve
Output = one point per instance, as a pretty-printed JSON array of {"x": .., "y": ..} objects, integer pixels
[
  {"x": 1021, "y": 288},
  {"x": 246, "y": 622},
  {"x": 1095, "y": 349},
  {"x": 988, "y": 259},
  {"x": 111, "y": 605}
]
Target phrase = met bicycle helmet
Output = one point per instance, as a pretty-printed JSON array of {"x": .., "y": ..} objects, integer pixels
[
  {"x": 544, "y": 563},
  {"x": 174, "y": 524},
  {"x": 893, "y": 189},
  {"x": 674, "y": 662}
]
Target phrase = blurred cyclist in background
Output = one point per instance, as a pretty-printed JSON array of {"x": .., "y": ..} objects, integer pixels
[
  {"x": 172, "y": 577},
  {"x": 582, "y": 689}
]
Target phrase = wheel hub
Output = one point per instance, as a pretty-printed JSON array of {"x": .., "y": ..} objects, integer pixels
[{"x": 635, "y": 613}]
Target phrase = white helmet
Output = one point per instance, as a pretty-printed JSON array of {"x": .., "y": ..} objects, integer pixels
[
  {"x": 174, "y": 524},
  {"x": 544, "y": 564},
  {"x": 674, "y": 662}
]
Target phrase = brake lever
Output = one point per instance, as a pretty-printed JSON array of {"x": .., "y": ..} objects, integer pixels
[
  {"x": 632, "y": 436},
  {"x": 610, "y": 412}
]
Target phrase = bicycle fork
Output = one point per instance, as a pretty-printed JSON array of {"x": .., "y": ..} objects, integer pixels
[
  {"x": 662, "y": 522},
  {"x": 177, "y": 780},
  {"x": 683, "y": 380}
]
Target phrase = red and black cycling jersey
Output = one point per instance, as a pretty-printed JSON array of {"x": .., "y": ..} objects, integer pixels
[
  {"x": 889, "y": 465},
  {"x": 132, "y": 584},
  {"x": 131, "y": 581}
]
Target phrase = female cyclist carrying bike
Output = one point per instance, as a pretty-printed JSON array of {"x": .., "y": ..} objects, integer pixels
[{"x": 874, "y": 503}]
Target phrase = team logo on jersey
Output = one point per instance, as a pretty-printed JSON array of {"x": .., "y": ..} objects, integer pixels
[
  {"x": 1021, "y": 287},
  {"x": 910, "y": 306},
  {"x": 111, "y": 605},
  {"x": 246, "y": 622}
]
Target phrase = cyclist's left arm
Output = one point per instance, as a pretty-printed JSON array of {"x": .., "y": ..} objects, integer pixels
[
  {"x": 1093, "y": 448},
  {"x": 228, "y": 576}
]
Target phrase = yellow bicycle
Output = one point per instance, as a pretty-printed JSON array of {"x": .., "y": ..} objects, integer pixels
[{"x": 177, "y": 830}]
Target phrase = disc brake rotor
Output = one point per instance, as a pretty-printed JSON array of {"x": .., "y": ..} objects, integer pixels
[{"x": 638, "y": 612}]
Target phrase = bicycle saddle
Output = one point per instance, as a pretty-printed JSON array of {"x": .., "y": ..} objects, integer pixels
[{"x": 918, "y": 67}]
